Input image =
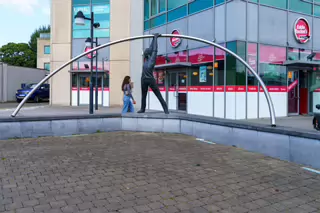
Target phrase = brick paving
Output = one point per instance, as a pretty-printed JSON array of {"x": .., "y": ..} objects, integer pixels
[{"x": 147, "y": 172}]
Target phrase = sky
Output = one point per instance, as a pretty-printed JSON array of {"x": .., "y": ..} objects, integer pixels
[{"x": 19, "y": 19}]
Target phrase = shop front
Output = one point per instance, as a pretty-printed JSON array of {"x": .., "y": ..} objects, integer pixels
[
  {"x": 206, "y": 81},
  {"x": 80, "y": 74},
  {"x": 80, "y": 89}
]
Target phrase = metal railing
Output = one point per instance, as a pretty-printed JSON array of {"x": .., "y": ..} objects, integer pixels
[{"x": 265, "y": 90}]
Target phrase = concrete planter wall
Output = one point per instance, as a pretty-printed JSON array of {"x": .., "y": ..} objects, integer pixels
[{"x": 289, "y": 145}]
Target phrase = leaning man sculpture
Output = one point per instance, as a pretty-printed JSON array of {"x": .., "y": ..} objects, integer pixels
[{"x": 147, "y": 79}]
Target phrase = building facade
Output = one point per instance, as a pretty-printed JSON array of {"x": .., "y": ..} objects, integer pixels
[
  {"x": 43, "y": 51},
  {"x": 117, "y": 20},
  {"x": 280, "y": 39}
]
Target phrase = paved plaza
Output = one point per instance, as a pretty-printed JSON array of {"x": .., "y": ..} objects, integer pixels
[{"x": 148, "y": 172}]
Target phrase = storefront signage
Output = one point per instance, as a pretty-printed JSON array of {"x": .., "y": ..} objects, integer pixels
[
  {"x": 302, "y": 31},
  {"x": 175, "y": 42},
  {"x": 203, "y": 74}
]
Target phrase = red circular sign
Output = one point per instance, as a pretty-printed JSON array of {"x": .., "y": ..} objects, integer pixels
[
  {"x": 86, "y": 49},
  {"x": 302, "y": 30},
  {"x": 175, "y": 42}
]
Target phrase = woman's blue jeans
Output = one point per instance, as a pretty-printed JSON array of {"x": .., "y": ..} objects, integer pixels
[{"x": 127, "y": 104}]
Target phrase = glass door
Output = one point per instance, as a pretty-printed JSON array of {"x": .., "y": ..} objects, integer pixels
[
  {"x": 172, "y": 90},
  {"x": 182, "y": 91},
  {"x": 177, "y": 90},
  {"x": 293, "y": 92}
]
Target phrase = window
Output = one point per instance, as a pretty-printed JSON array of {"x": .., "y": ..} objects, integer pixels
[
  {"x": 146, "y": 9},
  {"x": 177, "y": 13},
  {"x": 84, "y": 81},
  {"x": 101, "y": 15},
  {"x": 154, "y": 7},
  {"x": 157, "y": 6},
  {"x": 272, "y": 72},
  {"x": 79, "y": 2},
  {"x": 316, "y": 10},
  {"x": 235, "y": 70},
  {"x": 300, "y": 6},
  {"x": 252, "y": 59},
  {"x": 219, "y": 2},
  {"x": 202, "y": 72},
  {"x": 46, "y": 66},
  {"x": 159, "y": 76},
  {"x": 298, "y": 54},
  {"x": 74, "y": 80},
  {"x": 172, "y": 4},
  {"x": 219, "y": 66},
  {"x": 157, "y": 21},
  {"x": 275, "y": 3},
  {"x": 202, "y": 75},
  {"x": 47, "y": 49},
  {"x": 199, "y": 5}
]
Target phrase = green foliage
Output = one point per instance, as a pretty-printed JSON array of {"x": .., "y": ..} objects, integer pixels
[
  {"x": 23, "y": 54},
  {"x": 18, "y": 55},
  {"x": 35, "y": 35}
]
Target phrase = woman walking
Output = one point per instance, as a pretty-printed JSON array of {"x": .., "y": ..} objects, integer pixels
[{"x": 128, "y": 99}]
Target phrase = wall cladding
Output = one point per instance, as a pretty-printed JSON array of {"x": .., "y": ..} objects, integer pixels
[{"x": 238, "y": 20}]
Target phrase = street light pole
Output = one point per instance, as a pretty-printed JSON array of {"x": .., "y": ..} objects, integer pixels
[
  {"x": 91, "y": 67},
  {"x": 97, "y": 94},
  {"x": 80, "y": 20}
]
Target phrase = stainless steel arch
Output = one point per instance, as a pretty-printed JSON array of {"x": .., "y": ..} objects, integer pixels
[{"x": 270, "y": 104}]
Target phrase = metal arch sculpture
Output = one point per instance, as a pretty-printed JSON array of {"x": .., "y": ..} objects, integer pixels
[{"x": 270, "y": 103}]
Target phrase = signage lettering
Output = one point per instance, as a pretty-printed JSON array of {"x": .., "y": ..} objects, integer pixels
[
  {"x": 175, "y": 42},
  {"x": 302, "y": 31}
]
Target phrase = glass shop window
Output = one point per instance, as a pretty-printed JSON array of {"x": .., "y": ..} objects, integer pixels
[
  {"x": 220, "y": 56},
  {"x": 271, "y": 68},
  {"x": 84, "y": 81},
  {"x": 235, "y": 70},
  {"x": 74, "y": 80},
  {"x": 252, "y": 59},
  {"x": 202, "y": 75}
]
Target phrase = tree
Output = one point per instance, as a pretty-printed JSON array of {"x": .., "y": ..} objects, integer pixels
[
  {"x": 35, "y": 35},
  {"x": 18, "y": 55}
]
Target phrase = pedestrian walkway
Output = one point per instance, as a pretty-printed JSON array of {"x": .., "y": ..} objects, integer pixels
[{"x": 148, "y": 172}]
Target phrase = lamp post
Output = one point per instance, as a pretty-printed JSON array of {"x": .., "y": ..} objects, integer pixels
[
  {"x": 88, "y": 42},
  {"x": 79, "y": 19}
]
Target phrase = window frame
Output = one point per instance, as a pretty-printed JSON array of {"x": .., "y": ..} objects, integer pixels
[
  {"x": 45, "y": 48},
  {"x": 44, "y": 66},
  {"x": 85, "y": 30}
]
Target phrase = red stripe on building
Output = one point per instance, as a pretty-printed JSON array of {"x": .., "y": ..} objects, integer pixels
[{"x": 88, "y": 89}]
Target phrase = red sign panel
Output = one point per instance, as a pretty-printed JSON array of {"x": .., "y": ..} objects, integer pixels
[
  {"x": 272, "y": 54},
  {"x": 302, "y": 30},
  {"x": 175, "y": 42},
  {"x": 202, "y": 55},
  {"x": 178, "y": 57},
  {"x": 160, "y": 60}
]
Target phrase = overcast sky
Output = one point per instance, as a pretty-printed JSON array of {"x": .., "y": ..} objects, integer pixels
[{"x": 19, "y": 18}]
